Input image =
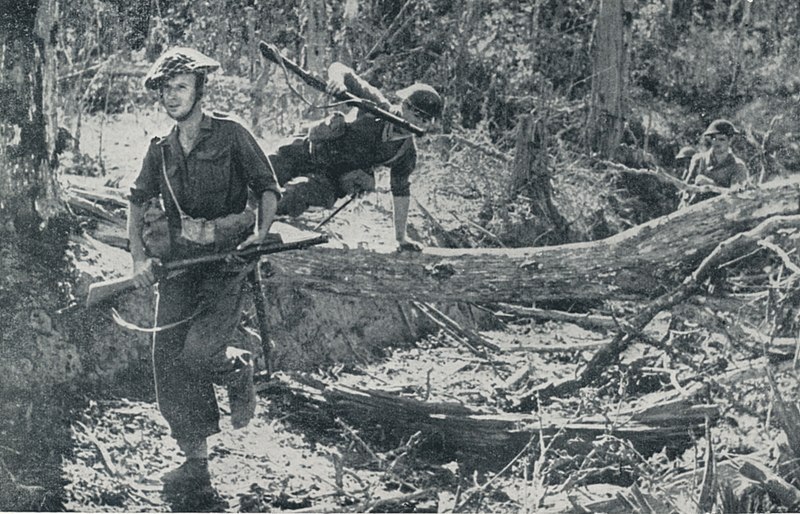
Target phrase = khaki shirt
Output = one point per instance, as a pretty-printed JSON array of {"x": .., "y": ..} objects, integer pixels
[
  {"x": 213, "y": 180},
  {"x": 728, "y": 171}
]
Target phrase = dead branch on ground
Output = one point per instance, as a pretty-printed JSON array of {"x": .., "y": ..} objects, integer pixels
[{"x": 630, "y": 329}]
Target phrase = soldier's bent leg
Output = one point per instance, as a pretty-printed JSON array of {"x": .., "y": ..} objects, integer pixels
[
  {"x": 221, "y": 295},
  {"x": 186, "y": 398},
  {"x": 292, "y": 160},
  {"x": 304, "y": 192},
  {"x": 209, "y": 346}
]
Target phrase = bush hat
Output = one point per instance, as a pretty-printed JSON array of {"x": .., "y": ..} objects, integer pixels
[
  {"x": 175, "y": 61},
  {"x": 721, "y": 126},
  {"x": 423, "y": 98}
]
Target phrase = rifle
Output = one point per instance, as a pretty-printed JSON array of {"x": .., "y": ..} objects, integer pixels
[
  {"x": 101, "y": 291},
  {"x": 271, "y": 52}
]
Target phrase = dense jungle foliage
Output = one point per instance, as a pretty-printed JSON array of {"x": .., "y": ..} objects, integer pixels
[
  {"x": 501, "y": 65},
  {"x": 496, "y": 61}
]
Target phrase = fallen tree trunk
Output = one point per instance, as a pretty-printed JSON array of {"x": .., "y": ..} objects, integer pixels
[
  {"x": 631, "y": 329},
  {"x": 331, "y": 305},
  {"x": 481, "y": 439},
  {"x": 641, "y": 262}
]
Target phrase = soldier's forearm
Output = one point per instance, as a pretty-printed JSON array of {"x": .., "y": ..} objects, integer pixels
[{"x": 267, "y": 206}]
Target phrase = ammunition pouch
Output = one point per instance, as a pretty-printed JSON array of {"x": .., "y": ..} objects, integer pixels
[
  {"x": 155, "y": 232},
  {"x": 197, "y": 236}
]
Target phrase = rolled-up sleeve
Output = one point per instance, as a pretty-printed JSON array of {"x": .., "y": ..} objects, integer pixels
[
  {"x": 146, "y": 185},
  {"x": 256, "y": 166}
]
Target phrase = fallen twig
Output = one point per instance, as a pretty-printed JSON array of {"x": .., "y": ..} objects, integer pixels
[
  {"x": 590, "y": 321},
  {"x": 93, "y": 208},
  {"x": 780, "y": 252},
  {"x": 108, "y": 462},
  {"x": 470, "y": 335},
  {"x": 708, "y": 492},
  {"x": 352, "y": 433},
  {"x": 480, "y": 229},
  {"x": 397, "y": 500},
  {"x": 449, "y": 240},
  {"x": 491, "y": 152}
]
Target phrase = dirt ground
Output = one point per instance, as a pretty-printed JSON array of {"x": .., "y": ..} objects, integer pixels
[{"x": 286, "y": 461}]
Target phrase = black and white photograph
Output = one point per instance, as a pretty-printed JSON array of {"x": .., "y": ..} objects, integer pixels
[{"x": 369, "y": 256}]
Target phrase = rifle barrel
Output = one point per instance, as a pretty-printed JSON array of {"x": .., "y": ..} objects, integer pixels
[
  {"x": 246, "y": 253},
  {"x": 270, "y": 52}
]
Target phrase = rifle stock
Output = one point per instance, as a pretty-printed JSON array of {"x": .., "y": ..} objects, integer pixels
[
  {"x": 105, "y": 290},
  {"x": 270, "y": 52},
  {"x": 100, "y": 291}
]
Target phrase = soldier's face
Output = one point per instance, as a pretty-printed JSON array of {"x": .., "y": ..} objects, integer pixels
[
  {"x": 720, "y": 143},
  {"x": 178, "y": 94},
  {"x": 417, "y": 118}
]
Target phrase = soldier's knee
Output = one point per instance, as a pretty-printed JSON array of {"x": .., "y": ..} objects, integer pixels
[{"x": 291, "y": 204}]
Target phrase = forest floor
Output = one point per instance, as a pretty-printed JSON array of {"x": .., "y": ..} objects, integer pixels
[{"x": 285, "y": 461}]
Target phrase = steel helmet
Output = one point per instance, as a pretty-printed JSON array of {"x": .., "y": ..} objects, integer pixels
[
  {"x": 721, "y": 126},
  {"x": 175, "y": 61},
  {"x": 423, "y": 98}
]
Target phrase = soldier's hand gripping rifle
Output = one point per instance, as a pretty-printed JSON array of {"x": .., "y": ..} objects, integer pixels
[
  {"x": 104, "y": 290},
  {"x": 271, "y": 52}
]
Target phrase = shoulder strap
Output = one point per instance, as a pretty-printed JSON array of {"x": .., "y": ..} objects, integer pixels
[{"x": 169, "y": 184}]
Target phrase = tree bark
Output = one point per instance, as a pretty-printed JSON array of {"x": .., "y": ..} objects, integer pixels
[
  {"x": 642, "y": 262},
  {"x": 316, "y": 50},
  {"x": 531, "y": 175},
  {"x": 608, "y": 79},
  {"x": 317, "y": 38},
  {"x": 28, "y": 126},
  {"x": 487, "y": 440},
  {"x": 330, "y": 305}
]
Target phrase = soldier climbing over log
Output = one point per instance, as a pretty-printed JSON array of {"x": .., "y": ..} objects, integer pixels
[{"x": 337, "y": 156}]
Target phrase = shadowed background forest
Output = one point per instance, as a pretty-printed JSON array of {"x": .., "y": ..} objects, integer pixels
[{"x": 496, "y": 62}]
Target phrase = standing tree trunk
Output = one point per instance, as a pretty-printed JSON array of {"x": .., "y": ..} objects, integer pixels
[
  {"x": 608, "y": 79},
  {"x": 317, "y": 37},
  {"x": 316, "y": 47},
  {"x": 347, "y": 49},
  {"x": 36, "y": 361},
  {"x": 28, "y": 124},
  {"x": 531, "y": 175}
]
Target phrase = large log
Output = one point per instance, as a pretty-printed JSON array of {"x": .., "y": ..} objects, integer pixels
[
  {"x": 643, "y": 261},
  {"x": 484, "y": 439},
  {"x": 330, "y": 305}
]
